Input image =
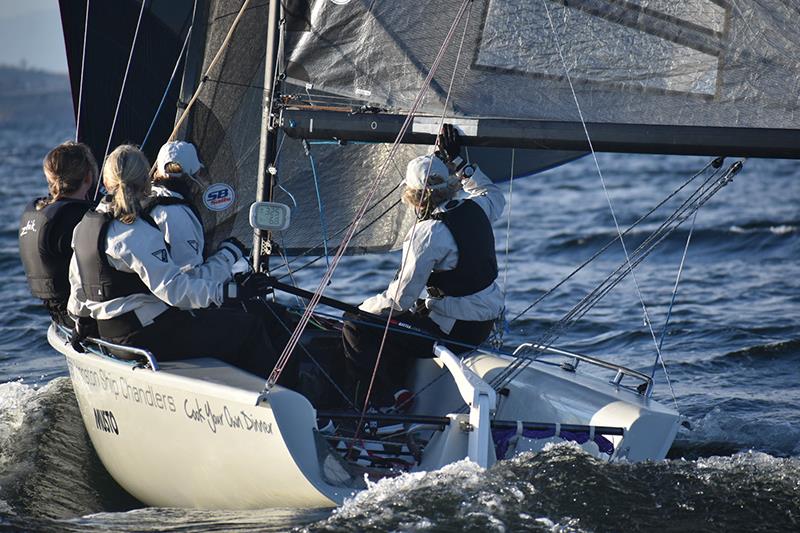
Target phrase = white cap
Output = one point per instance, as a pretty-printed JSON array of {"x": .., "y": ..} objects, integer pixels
[
  {"x": 179, "y": 152},
  {"x": 420, "y": 170}
]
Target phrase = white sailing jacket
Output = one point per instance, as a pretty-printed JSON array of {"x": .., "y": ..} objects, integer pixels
[
  {"x": 181, "y": 229},
  {"x": 429, "y": 246},
  {"x": 140, "y": 248}
]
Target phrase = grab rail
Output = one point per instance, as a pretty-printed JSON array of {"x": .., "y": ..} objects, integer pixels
[
  {"x": 105, "y": 345},
  {"x": 621, "y": 370}
]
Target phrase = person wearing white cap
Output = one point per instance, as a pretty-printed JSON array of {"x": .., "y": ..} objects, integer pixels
[
  {"x": 450, "y": 252},
  {"x": 169, "y": 205},
  {"x": 179, "y": 171}
]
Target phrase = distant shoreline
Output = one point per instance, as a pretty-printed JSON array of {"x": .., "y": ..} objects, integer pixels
[{"x": 34, "y": 96}]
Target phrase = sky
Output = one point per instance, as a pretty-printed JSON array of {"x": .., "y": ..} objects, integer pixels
[{"x": 30, "y": 35}]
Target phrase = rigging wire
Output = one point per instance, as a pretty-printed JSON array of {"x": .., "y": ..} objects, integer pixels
[
  {"x": 716, "y": 163},
  {"x": 416, "y": 222},
  {"x": 377, "y": 203},
  {"x": 322, "y": 223},
  {"x": 361, "y": 211},
  {"x": 500, "y": 324},
  {"x": 313, "y": 359},
  {"x": 704, "y": 193},
  {"x": 508, "y": 225},
  {"x": 608, "y": 199},
  {"x": 674, "y": 292},
  {"x": 169, "y": 86},
  {"x": 119, "y": 100},
  {"x": 83, "y": 66}
]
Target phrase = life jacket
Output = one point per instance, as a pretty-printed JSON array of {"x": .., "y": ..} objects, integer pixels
[
  {"x": 41, "y": 230},
  {"x": 176, "y": 185},
  {"x": 179, "y": 186},
  {"x": 477, "y": 263},
  {"x": 101, "y": 281}
]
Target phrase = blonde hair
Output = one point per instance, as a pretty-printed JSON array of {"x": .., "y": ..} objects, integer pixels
[
  {"x": 424, "y": 201},
  {"x": 170, "y": 168},
  {"x": 65, "y": 167},
  {"x": 126, "y": 174}
]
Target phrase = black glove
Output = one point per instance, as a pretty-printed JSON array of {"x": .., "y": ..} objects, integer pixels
[
  {"x": 234, "y": 243},
  {"x": 448, "y": 144},
  {"x": 248, "y": 286},
  {"x": 84, "y": 327}
]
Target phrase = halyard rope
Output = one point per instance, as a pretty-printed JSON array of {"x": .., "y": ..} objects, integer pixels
[{"x": 211, "y": 65}]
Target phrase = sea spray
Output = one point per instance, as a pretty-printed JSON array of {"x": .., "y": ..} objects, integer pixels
[{"x": 48, "y": 468}]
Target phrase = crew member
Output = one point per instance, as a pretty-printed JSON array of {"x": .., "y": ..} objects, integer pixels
[
  {"x": 122, "y": 275},
  {"x": 46, "y": 225},
  {"x": 170, "y": 206},
  {"x": 178, "y": 172},
  {"x": 450, "y": 250}
]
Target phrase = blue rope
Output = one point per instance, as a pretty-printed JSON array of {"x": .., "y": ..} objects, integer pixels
[
  {"x": 322, "y": 223},
  {"x": 166, "y": 91},
  {"x": 674, "y": 294}
]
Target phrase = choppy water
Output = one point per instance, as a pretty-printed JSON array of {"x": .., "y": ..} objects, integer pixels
[{"x": 732, "y": 353}]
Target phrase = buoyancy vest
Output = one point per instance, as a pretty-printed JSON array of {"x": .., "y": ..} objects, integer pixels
[
  {"x": 477, "y": 263},
  {"x": 101, "y": 281},
  {"x": 176, "y": 185},
  {"x": 44, "y": 246}
]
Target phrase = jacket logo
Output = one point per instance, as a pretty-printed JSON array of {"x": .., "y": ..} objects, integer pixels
[
  {"x": 161, "y": 255},
  {"x": 194, "y": 244},
  {"x": 29, "y": 226}
]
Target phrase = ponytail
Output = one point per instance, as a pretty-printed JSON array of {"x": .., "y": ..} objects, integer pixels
[{"x": 126, "y": 174}]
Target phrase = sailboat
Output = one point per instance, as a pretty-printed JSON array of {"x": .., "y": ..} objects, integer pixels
[{"x": 292, "y": 102}]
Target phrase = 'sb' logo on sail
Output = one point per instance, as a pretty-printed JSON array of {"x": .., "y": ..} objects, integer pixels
[
  {"x": 105, "y": 421},
  {"x": 219, "y": 197}
]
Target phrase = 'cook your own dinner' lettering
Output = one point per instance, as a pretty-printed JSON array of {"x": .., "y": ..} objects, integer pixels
[{"x": 224, "y": 418}]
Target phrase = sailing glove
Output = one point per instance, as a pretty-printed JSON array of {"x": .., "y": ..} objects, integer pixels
[
  {"x": 247, "y": 287},
  {"x": 448, "y": 145},
  {"x": 236, "y": 247}
]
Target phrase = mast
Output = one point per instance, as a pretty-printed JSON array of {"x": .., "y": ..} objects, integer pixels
[{"x": 268, "y": 141}]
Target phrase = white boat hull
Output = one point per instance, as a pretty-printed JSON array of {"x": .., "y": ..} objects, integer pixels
[{"x": 192, "y": 434}]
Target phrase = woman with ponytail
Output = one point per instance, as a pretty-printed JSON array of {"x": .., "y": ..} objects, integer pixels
[
  {"x": 122, "y": 275},
  {"x": 46, "y": 225}
]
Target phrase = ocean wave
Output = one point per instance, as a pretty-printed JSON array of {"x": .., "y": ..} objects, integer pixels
[
  {"x": 48, "y": 468},
  {"x": 563, "y": 489},
  {"x": 770, "y": 351},
  {"x": 730, "y": 238}
]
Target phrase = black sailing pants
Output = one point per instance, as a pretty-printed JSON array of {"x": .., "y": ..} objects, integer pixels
[
  {"x": 232, "y": 336},
  {"x": 362, "y": 342}
]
